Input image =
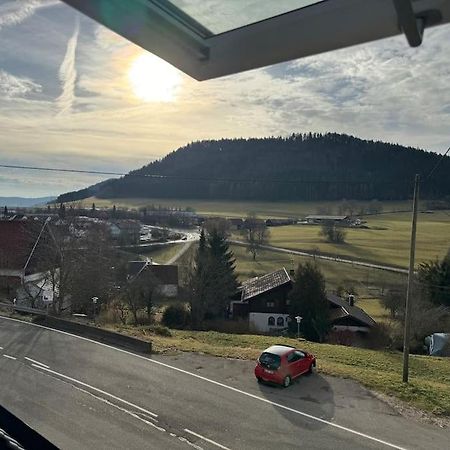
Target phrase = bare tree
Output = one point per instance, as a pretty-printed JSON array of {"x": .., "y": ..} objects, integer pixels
[
  {"x": 255, "y": 233},
  {"x": 333, "y": 233}
]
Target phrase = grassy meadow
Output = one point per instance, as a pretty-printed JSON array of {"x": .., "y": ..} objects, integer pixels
[
  {"x": 224, "y": 208},
  {"x": 386, "y": 241}
]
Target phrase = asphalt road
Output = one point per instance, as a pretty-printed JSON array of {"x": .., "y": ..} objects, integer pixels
[{"x": 81, "y": 394}]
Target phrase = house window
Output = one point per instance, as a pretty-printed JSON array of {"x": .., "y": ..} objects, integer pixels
[
  {"x": 280, "y": 322},
  {"x": 270, "y": 304},
  {"x": 271, "y": 321}
]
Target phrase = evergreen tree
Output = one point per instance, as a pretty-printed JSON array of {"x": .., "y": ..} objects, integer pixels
[
  {"x": 434, "y": 277},
  {"x": 308, "y": 300},
  {"x": 212, "y": 281},
  {"x": 62, "y": 211},
  {"x": 222, "y": 266}
]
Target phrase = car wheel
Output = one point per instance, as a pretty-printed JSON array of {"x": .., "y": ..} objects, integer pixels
[
  {"x": 259, "y": 379},
  {"x": 310, "y": 370},
  {"x": 286, "y": 381}
]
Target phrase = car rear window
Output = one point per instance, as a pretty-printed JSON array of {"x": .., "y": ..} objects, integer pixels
[{"x": 270, "y": 360}]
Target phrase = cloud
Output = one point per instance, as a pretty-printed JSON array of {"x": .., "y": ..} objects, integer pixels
[
  {"x": 68, "y": 73},
  {"x": 15, "y": 12},
  {"x": 12, "y": 86}
]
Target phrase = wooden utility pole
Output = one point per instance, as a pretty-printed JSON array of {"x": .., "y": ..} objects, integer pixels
[{"x": 412, "y": 252}]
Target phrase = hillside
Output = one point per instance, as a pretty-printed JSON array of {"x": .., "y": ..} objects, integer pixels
[{"x": 301, "y": 167}]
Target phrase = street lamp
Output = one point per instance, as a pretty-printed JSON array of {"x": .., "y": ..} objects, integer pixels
[
  {"x": 298, "y": 319},
  {"x": 94, "y": 303}
]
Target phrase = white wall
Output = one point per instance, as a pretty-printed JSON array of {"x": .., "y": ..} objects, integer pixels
[{"x": 259, "y": 321}]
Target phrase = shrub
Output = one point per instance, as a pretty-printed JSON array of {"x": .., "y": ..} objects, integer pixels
[
  {"x": 176, "y": 316},
  {"x": 160, "y": 330}
]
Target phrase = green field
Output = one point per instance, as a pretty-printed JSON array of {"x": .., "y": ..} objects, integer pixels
[
  {"x": 237, "y": 209},
  {"x": 387, "y": 241}
]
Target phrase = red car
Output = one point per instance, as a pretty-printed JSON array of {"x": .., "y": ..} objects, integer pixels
[{"x": 281, "y": 364}]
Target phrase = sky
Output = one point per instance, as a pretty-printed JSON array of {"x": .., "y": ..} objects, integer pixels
[{"x": 75, "y": 95}]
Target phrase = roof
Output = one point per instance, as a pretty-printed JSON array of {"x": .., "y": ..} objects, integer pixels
[
  {"x": 321, "y": 217},
  {"x": 208, "y": 39},
  {"x": 345, "y": 310},
  {"x": 165, "y": 274},
  {"x": 278, "y": 349},
  {"x": 258, "y": 285},
  {"x": 17, "y": 239}
]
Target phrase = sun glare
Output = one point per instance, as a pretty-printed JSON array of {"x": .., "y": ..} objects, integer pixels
[{"x": 154, "y": 80}]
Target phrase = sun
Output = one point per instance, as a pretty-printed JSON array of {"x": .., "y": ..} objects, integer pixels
[{"x": 154, "y": 80}]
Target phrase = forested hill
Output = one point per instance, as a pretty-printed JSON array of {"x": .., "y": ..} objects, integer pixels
[{"x": 301, "y": 167}]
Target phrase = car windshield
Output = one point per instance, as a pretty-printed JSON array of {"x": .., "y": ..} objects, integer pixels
[
  {"x": 192, "y": 189},
  {"x": 270, "y": 361}
]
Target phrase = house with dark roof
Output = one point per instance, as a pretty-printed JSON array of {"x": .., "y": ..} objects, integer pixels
[
  {"x": 264, "y": 301},
  {"x": 345, "y": 316},
  {"x": 165, "y": 276}
]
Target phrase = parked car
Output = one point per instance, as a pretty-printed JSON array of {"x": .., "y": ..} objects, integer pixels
[{"x": 281, "y": 364}]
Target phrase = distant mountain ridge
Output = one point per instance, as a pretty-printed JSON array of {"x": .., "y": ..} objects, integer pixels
[
  {"x": 24, "y": 202},
  {"x": 309, "y": 166}
]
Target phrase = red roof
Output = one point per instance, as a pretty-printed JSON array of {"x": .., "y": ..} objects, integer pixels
[{"x": 16, "y": 242}]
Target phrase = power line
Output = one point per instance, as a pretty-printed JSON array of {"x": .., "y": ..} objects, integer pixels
[
  {"x": 437, "y": 165},
  {"x": 56, "y": 169}
]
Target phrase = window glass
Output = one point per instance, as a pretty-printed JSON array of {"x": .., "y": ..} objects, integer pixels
[
  {"x": 271, "y": 321},
  {"x": 270, "y": 361},
  {"x": 280, "y": 321}
]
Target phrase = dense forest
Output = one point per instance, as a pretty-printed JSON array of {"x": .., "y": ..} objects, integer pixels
[{"x": 301, "y": 167}]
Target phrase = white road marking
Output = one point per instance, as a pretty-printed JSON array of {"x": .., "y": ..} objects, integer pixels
[
  {"x": 1, "y": 348},
  {"x": 145, "y": 411},
  {"x": 248, "y": 394},
  {"x": 37, "y": 362},
  {"x": 9, "y": 357},
  {"x": 206, "y": 439}
]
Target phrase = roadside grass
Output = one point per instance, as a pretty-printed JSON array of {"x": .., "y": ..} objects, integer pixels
[
  {"x": 428, "y": 389},
  {"x": 239, "y": 209},
  {"x": 386, "y": 241},
  {"x": 162, "y": 254}
]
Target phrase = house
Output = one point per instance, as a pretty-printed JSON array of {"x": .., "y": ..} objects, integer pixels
[
  {"x": 345, "y": 316},
  {"x": 22, "y": 257},
  {"x": 280, "y": 222},
  {"x": 265, "y": 302},
  {"x": 236, "y": 223},
  {"x": 166, "y": 276},
  {"x": 125, "y": 231},
  {"x": 320, "y": 219}
]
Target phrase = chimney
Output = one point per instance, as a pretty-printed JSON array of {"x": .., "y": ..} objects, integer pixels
[{"x": 351, "y": 299}]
